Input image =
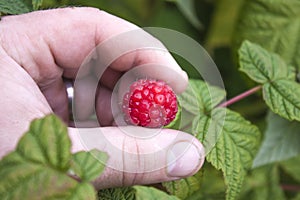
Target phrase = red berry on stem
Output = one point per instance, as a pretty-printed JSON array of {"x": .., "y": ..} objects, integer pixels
[{"x": 150, "y": 103}]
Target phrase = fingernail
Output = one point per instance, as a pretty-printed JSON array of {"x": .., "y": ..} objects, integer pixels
[{"x": 184, "y": 159}]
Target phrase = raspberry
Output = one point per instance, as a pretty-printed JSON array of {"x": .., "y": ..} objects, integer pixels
[{"x": 149, "y": 103}]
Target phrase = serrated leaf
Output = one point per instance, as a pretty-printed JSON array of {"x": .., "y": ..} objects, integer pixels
[
  {"x": 14, "y": 7},
  {"x": 200, "y": 97},
  {"x": 281, "y": 141},
  {"x": 234, "y": 149},
  {"x": 150, "y": 193},
  {"x": 183, "y": 188},
  {"x": 291, "y": 167},
  {"x": 125, "y": 193},
  {"x": 261, "y": 65},
  {"x": 274, "y": 24},
  {"x": 263, "y": 183},
  {"x": 36, "y": 4},
  {"x": 89, "y": 165},
  {"x": 282, "y": 97},
  {"x": 47, "y": 142},
  {"x": 38, "y": 168}
]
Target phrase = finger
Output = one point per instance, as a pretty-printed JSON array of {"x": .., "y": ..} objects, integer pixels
[
  {"x": 150, "y": 159},
  {"x": 68, "y": 43}
]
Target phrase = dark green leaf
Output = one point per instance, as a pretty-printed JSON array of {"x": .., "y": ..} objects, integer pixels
[
  {"x": 184, "y": 187},
  {"x": 89, "y": 165},
  {"x": 281, "y": 141},
  {"x": 235, "y": 148},
  {"x": 188, "y": 9},
  {"x": 125, "y": 193},
  {"x": 13, "y": 7},
  {"x": 274, "y": 24},
  {"x": 261, "y": 65},
  {"x": 263, "y": 183},
  {"x": 282, "y": 97},
  {"x": 150, "y": 193},
  {"x": 291, "y": 167}
]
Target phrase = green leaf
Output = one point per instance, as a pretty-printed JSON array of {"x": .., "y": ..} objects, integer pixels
[
  {"x": 150, "y": 193},
  {"x": 235, "y": 148},
  {"x": 47, "y": 142},
  {"x": 281, "y": 141},
  {"x": 282, "y": 97},
  {"x": 200, "y": 97},
  {"x": 14, "y": 7},
  {"x": 188, "y": 9},
  {"x": 89, "y": 165},
  {"x": 183, "y": 188},
  {"x": 36, "y": 4},
  {"x": 263, "y": 183},
  {"x": 291, "y": 167},
  {"x": 125, "y": 193},
  {"x": 38, "y": 168},
  {"x": 274, "y": 24},
  {"x": 261, "y": 65}
]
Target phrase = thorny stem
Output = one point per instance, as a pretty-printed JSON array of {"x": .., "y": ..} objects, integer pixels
[
  {"x": 295, "y": 188},
  {"x": 240, "y": 97}
]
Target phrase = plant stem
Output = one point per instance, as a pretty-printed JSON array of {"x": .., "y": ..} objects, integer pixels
[
  {"x": 295, "y": 188},
  {"x": 240, "y": 96}
]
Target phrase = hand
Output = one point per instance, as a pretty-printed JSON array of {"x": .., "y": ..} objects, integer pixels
[{"x": 39, "y": 48}]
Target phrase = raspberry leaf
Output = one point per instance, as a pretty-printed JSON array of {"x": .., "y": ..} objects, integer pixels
[
  {"x": 39, "y": 167},
  {"x": 124, "y": 193},
  {"x": 261, "y": 65},
  {"x": 200, "y": 97},
  {"x": 274, "y": 24},
  {"x": 150, "y": 193},
  {"x": 282, "y": 97},
  {"x": 281, "y": 141},
  {"x": 233, "y": 142},
  {"x": 13, "y": 7},
  {"x": 183, "y": 188},
  {"x": 89, "y": 165}
]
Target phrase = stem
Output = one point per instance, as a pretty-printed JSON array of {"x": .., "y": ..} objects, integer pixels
[
  {"x": 240, "y": 96},
  {"x": 295, "y": 188}
]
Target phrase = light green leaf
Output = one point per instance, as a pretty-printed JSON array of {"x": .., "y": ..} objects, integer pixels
[
  {"x": 38, "y": 168},
  {"x": 235, "y": 148},
  {"x": 89, "y": 165},
  {"x": 274, "y": 24},
  {"x": 282, "y": 97},
  {"x": 261, "y": 65},
  {"x": 291, "y": 167},
  {"x": 13, "y": 7},
  {"x": 263, "y": 183},
  {"x": 47, "y": 142},
  {"x": 188, "y": 9},
  {"x": 200, "y": 97},
  {"x": 125, "y": 193},
  {"x": 183, "y": 188},
  {"x": 281, "y": 141},
  {"x": 36, "y": 4},
  {"x": 150, "y": 193}
]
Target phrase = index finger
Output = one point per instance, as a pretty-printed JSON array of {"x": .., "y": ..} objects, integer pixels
[{"x": 62, "y": 38}]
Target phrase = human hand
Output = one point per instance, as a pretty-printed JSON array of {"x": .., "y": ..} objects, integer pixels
[{"x": 39, "y": 48}]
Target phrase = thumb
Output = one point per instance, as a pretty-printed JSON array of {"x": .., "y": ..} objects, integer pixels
[{"x": 139, "y": 155}]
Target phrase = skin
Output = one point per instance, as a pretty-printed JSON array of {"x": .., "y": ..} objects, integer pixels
[{"x": 36, "y": 52}]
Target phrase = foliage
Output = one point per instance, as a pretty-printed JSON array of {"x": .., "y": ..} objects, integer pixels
[
  {"x": 40, "y": 166},
  {"x": 264, "y": 34}
]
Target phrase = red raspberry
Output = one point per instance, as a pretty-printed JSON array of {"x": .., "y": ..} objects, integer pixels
[{"x": 150, "y": 103}]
